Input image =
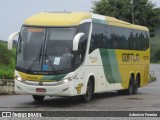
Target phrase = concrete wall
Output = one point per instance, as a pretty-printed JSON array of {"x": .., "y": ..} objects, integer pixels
[{"x": 6, "y": 86}]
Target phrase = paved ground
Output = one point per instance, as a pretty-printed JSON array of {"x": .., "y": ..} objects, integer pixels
[{"x": 148, "y": 99}]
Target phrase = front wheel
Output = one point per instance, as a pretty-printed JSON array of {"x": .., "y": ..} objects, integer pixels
[
  {"x": 38, "y": 98},
  {"x": 89, "y": 92}
]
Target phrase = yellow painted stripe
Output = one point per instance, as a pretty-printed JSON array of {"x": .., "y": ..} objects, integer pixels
[{"x": 30, "y": 77}]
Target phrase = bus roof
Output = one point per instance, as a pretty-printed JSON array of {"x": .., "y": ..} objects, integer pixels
[
  {"x": 74, "y": 18},
  {"x": 116, "y": 22},
  {"x": 57, "y": 18}
]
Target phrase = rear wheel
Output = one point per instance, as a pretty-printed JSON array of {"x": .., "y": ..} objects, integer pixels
[
  {"x": 38, "y": 98},
  {"x": 121, "y": 92},
  {"x": 129, "y": 91},
  {"x": 136, "y": 85},
  {"x": 89, "y": 92}
]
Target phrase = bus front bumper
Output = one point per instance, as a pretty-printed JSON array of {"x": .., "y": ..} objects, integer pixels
[{"x": 33, "y": 88}]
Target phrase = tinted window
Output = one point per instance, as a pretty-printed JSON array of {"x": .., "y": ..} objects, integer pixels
[
  {"x": 85, "y": 27},
  {"x": 107, "y": 43},
  {"x": 96, "y": 37},
  {"x": 113, "y": 37}
]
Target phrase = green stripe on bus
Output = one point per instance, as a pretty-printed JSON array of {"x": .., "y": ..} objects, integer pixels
[
  {"x": 54, "y": 77},
  {"x": 110, "y": 65}
]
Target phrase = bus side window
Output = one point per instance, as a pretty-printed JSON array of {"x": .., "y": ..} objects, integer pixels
[
  {"x": 145, "y": 41},
  {"x": 85, "y": 27},
  {"x": 96, "y": 37},
  {"x": 106, "y": 36}
]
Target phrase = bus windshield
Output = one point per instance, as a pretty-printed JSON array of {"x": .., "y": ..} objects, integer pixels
[{"x": 45, "y": 49}]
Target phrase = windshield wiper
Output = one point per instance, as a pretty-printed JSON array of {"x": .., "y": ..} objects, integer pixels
[{"x": 35, "y": 60}]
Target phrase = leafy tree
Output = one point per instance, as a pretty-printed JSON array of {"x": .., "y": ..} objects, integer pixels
[
  {"x": 7, "y": 61},
  {"x": 5, "y": 54},
  {"x": 155, "y": 55},
  {"x": 140, "y": 12}
]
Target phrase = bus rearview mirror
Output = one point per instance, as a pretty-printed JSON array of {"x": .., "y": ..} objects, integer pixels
[
  {"x": 10, "y": 40},
  {"x": 76, "y": 41}
]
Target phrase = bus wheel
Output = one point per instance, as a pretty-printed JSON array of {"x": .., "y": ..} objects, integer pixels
[
  {"x": 38, "y": 98},
  {"x": 136, "y": 85},
  {"x": 121, "y": 92},
  {"x": 89, "y": 92},
  {"x": 129, "y": 91}
]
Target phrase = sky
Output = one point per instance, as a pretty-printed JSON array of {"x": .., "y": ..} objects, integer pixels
[{"x": 14, "y": 12}]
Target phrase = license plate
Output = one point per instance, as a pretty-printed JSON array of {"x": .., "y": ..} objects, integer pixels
[{"x": 40, "y": 90}]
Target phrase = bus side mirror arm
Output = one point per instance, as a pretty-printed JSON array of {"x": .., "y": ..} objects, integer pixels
[
  {"x": 76, "y": 41},
  {"x": 10, "y": 40}
]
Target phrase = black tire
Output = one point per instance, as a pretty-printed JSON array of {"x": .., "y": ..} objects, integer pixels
[
  {"x": 129, "y": 91},
  {"x": 136, "y": 85},
  {"x": 89, "y": 92},
  {"x": 121, "y": 92},
  {"x": 38, "y": 98}
]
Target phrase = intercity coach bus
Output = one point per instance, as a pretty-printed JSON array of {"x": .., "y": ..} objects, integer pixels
[{"x": 79, "y": 54}]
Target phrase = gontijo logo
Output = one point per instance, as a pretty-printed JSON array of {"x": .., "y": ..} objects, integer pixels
[{"x": 130, "y": 57}]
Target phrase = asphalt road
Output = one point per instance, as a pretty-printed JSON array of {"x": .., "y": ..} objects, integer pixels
[{"x": 147, "y": 99}]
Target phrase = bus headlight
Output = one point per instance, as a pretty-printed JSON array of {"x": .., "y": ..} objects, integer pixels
[
  {"x": 67, "y": 80},
  {"x": 18, "y": 78}
]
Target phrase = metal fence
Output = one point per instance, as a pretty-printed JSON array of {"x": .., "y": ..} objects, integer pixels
[{"x": 6, "y": 86}]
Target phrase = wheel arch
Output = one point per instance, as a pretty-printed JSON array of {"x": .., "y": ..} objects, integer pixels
[
  {"x": 132, "y": 74},
  {"x": 92, "y": 78}
]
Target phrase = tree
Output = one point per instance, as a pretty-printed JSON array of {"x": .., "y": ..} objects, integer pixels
[
  {"x": 140, "y": 12},
  {"x": 7, "y": 61}
]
